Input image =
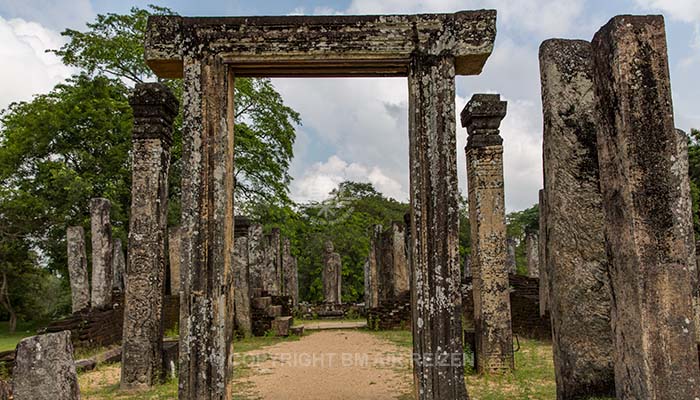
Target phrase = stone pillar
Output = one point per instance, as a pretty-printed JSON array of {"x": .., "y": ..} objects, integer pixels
[
  {"x": 467, "y": 273},
  {"x": 494, "y": 337},
  {"x": 511, "y": 264},
  {"x": 289, "y": 272},
  {"x": 435, "y": 288},
  {"x": 647, "y": 212},
  {"x": 77, "y": 268},
  {"x": 241, "y": 286},
  {"x": 400, "y": 265},
  {"x": 118, "y": 265},
  {"x": 542, "y": 256},
  {"x": 155, "y": 108},
  {"x": 531, "y": 249},
  {"x": 45, "y": 369},
  {"x": 256, "y": 256},
  {"x": 271, "y": 273},
  {"x": 577, "y": 263},
  {"x": 174, "y": 249},
  {"x": 206, "y": 302},
  {"x": 332, "y": 275},
  {"x": 101, "y": 229},
  {"x": 371, "y": 276}
]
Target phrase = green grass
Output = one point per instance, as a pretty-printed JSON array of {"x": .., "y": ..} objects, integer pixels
[
  {"x": 8, "y": 341},
  {"x": 103, "y": 383}
]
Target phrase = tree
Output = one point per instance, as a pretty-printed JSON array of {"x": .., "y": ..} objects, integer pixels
[
  {"x": 264, "y": 125},
  {"x": 518, "y": 224}
]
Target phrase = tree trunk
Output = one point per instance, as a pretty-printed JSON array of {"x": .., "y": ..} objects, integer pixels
[{"x": 5, "y": 301}]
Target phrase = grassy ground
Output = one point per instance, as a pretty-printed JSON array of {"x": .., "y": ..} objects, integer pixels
[
  {"x": 533, "y": 378},
  {"x": 103, "y": 383},
  {"x": 9, "y": 341}
]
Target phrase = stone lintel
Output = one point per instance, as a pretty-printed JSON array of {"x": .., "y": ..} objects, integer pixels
[
  {"x": 482, "y": 117},
  {"x": 369, "y": 45},
  {"x": 155, "y": 108}
]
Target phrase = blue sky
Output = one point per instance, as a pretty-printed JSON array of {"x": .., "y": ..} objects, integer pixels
[{"x": 357, "y": 128}]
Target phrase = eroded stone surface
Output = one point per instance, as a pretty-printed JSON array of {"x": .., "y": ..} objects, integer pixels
[
  {"x": 511, "y": 264},
  {"x": 577, "y": 263},
  {"x": 101, "y": 237},
  {"x": 332, "y": 275},
  {"x": 241, "y": 279},
  {"x": 272, "y": 271},
  {"x": 174, "y": 247},
  {"x": 290, "y": 279},
  {"x": 77, "y": 268},
  {"x": 336, "y": 45},
  {"x": 648, "y": 215},
  {"x": 256, "y": 256},
  {"x": 155, "y": 108},
  {"x": 45, "y": 369},
  {"x": 542, "y": 256},
  {"x": 434, "y": 220},
  {"x": 532, "y": 241},
  {"x": 118, "y": 265},
  {"x": 494, "y": 336}
]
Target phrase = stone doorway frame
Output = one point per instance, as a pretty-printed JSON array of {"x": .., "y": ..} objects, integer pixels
[{"x": 208, "y": 53}]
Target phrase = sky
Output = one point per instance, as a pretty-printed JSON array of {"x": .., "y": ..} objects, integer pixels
[{"x": 357, "y": 129}]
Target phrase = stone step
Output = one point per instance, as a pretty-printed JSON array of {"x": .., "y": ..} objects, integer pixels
[
  {"x": 274, "y": 311},
  {"x": 297, "y": 330},
  {"x": 281, "y": 326},
  {"x": 262, "y": 302}
]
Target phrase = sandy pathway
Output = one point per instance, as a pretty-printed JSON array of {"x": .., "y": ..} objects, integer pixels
[{"x": 328, "y": 365}]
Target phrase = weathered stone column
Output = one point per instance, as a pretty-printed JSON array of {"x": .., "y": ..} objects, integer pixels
[
  {"x": 332, "y": 275},
  {"x": 289, "y": 272},
  {"x": 271, "y": 273},
  {"x": 577, "y": 263},
  {"x": 118, "y": 265},
  {"x": 155, "y": 108},
  {"x": 435, "y": 289},
  {"x": 206, "y": 303},
  {"x": 542, "y": 256},
  {"x": 77, "y": 268},
  {"x": 174, "y": 250},
  {"x": 241, "y": 280},
  {"x": 45, "y": 369},
  {"x": 511, "y": 264},
  {"x": 256, "y": 256},
  {"x": 532, "y": 241},
  {"x": 101, "y": 232},
  {"x": 400, "y": 265},
  {"x": 648, "y": 215},
  {"x": 494, "y": 337}
]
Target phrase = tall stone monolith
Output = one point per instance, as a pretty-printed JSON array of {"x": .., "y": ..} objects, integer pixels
[
  {"x": 101, "y": 232},
  {"x": 118, "y": 265},
  {"x": 241, "y": 284},
  {"x": 290, "y": 283},
  {"x": 492, "y": 318},
  {"x": 577, "y": 263},
  {"x": 511, "y": 263},
  {"x": 271, "y": 273},
  {"x": 155, "y": 108},
  {"x": 256, "y": 256},
  {"x": 77, "y": 268},
  {"x": 174, "y": 248},
  {"x": 648, "y": 213},
  {"x": 542, "y": 256},
  {"x": 532, "y": 241},
  {"x": 332, "y": 275},
  {"x": 45, "y": 369}
]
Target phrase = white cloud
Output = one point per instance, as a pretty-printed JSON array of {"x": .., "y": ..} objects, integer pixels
[
  {"x": 683, "y": 10},
  {"x": 53, "y": 14},
  {"x": 323, "y": 177},
  {"x": 26, "y": 68}
]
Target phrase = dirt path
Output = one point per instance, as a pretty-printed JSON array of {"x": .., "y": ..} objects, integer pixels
[{"x": 328, "y": 365}]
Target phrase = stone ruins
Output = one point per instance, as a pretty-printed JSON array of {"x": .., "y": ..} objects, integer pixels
[
  {"x": 45, "y": 369},
  {"x": 613, "y": 266},
  {"x": 487, "y": 215},
  {"x": 577, "y": 263}
]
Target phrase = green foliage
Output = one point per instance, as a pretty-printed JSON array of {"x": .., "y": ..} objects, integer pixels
[
  {"x": 63, "y": 148},
  {"x": 518, "y": 224},
  {"x": 694, "y": 171}
]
